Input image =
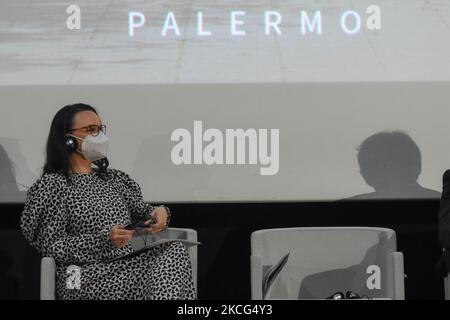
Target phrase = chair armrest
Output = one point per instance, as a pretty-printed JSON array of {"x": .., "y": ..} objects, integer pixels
[
  {"x": 48, "y": 274},
  {"x": 398, "y": 275},
  {"x": 256, "y": 277}
]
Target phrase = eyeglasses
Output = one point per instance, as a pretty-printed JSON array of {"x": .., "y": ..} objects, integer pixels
[{"x": 93, "y": 129}]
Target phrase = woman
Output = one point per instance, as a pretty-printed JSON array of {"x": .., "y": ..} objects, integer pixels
[{"x": 76, "y": 214}]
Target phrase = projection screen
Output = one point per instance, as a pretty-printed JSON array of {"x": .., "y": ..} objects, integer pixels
[{"x": 223, "y": 101}]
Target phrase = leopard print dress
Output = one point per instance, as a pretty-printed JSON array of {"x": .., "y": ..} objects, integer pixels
[{"x": 71, "y": 221}]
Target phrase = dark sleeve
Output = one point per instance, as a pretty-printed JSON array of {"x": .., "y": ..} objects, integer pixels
[
  {"x": 132, "y": 194},
  {"x": 44, "y": 225},
  {"x": 444, "y": 212}
]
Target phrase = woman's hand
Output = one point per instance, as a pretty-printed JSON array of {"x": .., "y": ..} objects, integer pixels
[
  {"x": 120, "y": 236},
  {"x": 160, "y": 215}
]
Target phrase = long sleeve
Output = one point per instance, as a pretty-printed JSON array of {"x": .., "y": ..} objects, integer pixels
[
  {"x": 444, "y": 212},
  {"x": 44, "y": 225},
  {"x": 132, "y": 195}
]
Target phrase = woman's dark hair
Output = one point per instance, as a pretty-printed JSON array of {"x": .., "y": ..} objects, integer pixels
[{"x": 58, "y": 155}]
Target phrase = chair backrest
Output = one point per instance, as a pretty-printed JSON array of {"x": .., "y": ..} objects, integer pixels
[{"x": 323, "y": 261}]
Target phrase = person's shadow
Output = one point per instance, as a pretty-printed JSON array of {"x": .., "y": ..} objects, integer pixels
[
  {"x": 9, "y": 190},
  {"x": 390, "y": 162}
]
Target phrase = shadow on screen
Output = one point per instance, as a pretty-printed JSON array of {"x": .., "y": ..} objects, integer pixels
[
  {"x": 9, "y": 191},
  {"x": 390, "y": 162}
]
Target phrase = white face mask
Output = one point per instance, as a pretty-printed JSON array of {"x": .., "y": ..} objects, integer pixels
[{"x": 94, "y": 147}]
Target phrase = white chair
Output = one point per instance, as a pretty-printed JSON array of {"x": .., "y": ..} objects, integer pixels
[
  {"x": 48, "y": 266},
  {"x": 323, "y": 261}
]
